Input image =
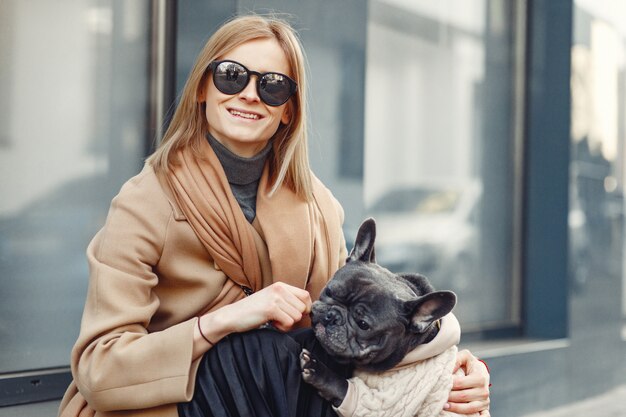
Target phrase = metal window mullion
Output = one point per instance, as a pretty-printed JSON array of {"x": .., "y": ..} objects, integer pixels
[
  {"x": 519, "y": 132},
  {"x": 162, "y": 66}
]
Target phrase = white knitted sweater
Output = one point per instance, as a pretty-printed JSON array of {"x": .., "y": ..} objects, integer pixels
[{"x": 417, "y": 386}]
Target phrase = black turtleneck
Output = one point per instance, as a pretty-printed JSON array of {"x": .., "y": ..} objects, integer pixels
[{"x": 243, "y": 174}]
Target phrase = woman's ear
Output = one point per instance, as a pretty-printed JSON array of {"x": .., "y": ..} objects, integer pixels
[
  {"x": 201, "y": 96},
  {"x": 202, "y": 89},
  {"x": 288, "y": 112},
  {"x": 286, "y": 117}
]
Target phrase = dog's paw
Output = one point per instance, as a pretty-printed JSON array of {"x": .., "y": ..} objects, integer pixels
[
  {"x": 329, "y": 385},
  {"x": 308, "y": 364}
]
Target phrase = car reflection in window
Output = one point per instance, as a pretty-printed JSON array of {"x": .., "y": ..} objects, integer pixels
[{"x": 430, "y": 229}]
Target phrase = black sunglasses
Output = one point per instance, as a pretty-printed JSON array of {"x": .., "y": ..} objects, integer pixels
[{"x": 231, "y": 77}]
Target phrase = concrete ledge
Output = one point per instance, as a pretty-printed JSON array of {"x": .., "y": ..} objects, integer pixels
[
  {"x": 509, "y": 347},
  {"x": 609, "y": 404}
]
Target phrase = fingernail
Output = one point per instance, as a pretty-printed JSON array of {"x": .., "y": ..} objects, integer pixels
[{"x": 446, "y": 406}]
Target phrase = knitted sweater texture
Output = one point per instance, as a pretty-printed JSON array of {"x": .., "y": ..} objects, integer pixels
[{"x": 417, "y": 388}]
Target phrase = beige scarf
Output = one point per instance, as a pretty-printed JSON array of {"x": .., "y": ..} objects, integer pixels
[{"x": 303, "y": 238}]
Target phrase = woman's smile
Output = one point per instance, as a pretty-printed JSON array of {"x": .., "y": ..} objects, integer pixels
[{"x": 244, "y": 114}]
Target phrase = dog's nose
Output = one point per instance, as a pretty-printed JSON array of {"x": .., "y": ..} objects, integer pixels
[{"x": 331, "y": 317}]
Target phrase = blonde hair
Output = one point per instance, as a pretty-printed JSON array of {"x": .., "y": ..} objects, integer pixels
[{"x": 289, "y": 163}]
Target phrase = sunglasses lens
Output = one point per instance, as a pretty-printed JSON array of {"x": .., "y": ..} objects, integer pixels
[
  {"x": 230, "y": 77},
  {"x": 275, "y": 89}
]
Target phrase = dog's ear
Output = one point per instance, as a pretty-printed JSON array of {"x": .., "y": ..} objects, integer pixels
[
  {"x": 363, "y": 249},
  {"x": 418, "y": 283},
  {"x": 425, "y": 310}
]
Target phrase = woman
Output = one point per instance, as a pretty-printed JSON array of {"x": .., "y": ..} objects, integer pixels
[{"x": 224, "y": 230}]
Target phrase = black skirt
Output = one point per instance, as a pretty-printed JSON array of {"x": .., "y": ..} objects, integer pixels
[{"x": 257, "y": 374}]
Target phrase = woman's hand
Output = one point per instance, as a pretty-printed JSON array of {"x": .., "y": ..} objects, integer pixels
[
  {"x": 470, "y": 393},
  {"x": 281, "y": 304}
]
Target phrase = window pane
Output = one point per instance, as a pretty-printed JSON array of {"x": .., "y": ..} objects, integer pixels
[
  {"x": 438, "y": 174},
  {"x": 412, "y": 122},
  {"x": 73, "y": 88},
  {"x": 598, "y": 173}
]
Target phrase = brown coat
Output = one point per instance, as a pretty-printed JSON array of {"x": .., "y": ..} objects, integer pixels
[{"x": 150, "y": 277}]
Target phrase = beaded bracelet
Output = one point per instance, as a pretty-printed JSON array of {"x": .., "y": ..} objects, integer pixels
[{"x": 202, "y": 334}]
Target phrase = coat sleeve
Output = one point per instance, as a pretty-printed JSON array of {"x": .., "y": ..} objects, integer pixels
[{"x": 116, "y": 363}]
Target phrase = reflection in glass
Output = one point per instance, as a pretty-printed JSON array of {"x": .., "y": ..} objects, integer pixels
[
  {"x": 73, "y": 93},
  {"x": 430, "y": 229},
  {"x": 438, "y": 173},
  {"x": 598, "y": 159}
]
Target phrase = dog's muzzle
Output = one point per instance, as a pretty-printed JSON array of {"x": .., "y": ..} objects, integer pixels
[{"x": 332, "y": 318}]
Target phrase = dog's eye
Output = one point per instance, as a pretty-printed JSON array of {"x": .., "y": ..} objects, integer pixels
[
  {"x": 363, "y": 325},
  {"x": 328, "y": 293}
]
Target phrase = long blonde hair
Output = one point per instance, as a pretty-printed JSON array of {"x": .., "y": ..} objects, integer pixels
[{"x": 289, "y": 163}]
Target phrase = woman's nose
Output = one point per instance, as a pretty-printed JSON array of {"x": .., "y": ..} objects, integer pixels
[{"x": 249, "y": 93}]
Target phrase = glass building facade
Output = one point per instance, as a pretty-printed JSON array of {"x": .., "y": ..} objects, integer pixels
[
  {"x": 486, "y": 137},
  {"x": 73, "y": 128}
]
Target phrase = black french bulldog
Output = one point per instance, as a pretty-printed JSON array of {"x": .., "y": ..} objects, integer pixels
[{"x": 370, "y": 317}]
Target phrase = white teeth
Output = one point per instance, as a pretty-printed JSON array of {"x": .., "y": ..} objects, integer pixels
[{"x": 244, "y": 115}]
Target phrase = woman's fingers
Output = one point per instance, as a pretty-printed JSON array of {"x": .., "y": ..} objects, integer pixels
[
  {"x": 464, "y": 359},
  {"x": 476, "y": 372},
  {"x": 473, "y": 380},
  {"x": 297, "y": 297},
  {"x": 283, "y": 321},
  {"x": 469, "y": 408},
  {"x": 468, "y": 395},
  {"x": 470, "y": 392},
  {"x": 288, "y": 299},
  {"x": 279, "y": 303},
  {"x": 286, "y": 313}
]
